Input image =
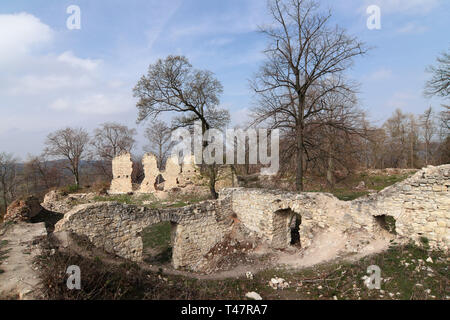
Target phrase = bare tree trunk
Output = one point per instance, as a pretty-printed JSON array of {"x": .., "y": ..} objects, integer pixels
[
  {"x": 299, "y": 168},
  {"x": 5, "y": 203},
  {"x": 330, "y": 169},
  {"x": 76, "y": 175},
  {"x": 212, "y": 181}
]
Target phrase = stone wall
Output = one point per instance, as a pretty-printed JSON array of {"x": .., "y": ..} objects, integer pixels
[
  {"x": 175, "y": 175},
  {"x": 420, "y": 206},
  {"x": 116, "y": 228},
  {"x": 122, "y": 167},
  {"x": 269, "y": 214},
  {"x": 151, "y": 172}
]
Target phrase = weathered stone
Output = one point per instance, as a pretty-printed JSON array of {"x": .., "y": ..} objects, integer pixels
[
  {"x": 23, "y": 210},
  {"x": 122, "y": 167}
]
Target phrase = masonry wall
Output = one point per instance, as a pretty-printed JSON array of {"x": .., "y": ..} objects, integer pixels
[
  {"x": 122, "y": 167},
  {"x": 268, "y": 213},
  {"x": 420, "y": 205},
  {"x": 116, "y": 228}
]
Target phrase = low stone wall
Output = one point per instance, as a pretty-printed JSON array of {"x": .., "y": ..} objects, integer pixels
[
  {"x": 420, "y": 205},
  {"x": 116, "y": 228},
  {"x": 269, "y": 214}
]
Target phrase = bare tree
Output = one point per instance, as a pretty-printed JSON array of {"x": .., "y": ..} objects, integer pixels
[
  {"x": 336, "y": 129},
  {"x": 396, "y": 128},
  {"x": 439, "y": 84},
  {"x": 173, "y": 86},
  {"x": 304, "y": 53},
  {"x": 429, "y": 129},
  {"x": 444, "y": 118},
  {"x": 8, "y": 166},
  {"x": 158, "y": 138},
  {"x": 413, "y": 138},
  {"x": 110, "y": 140},
  {"x": 43, "y": 172},
  {"x": 71, "y": 144}
]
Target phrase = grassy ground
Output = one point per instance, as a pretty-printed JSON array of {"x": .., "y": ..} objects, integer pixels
[
  {"x": 173, "y": 201},
  {"x": 346, "y": 189},
  {"x": 3, "y": 252},
  {"x": 157, "y": 243},
  {"x": 127, "y": 199},
  {"x": 406, "y": 274}
]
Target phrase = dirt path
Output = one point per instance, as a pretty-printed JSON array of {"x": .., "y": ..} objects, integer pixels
[
  {"x": 334, "y": 245},
  {"x": 18, "y": 279}
]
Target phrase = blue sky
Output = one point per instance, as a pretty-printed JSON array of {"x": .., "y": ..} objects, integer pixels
[{"x": 53, "y": 77}]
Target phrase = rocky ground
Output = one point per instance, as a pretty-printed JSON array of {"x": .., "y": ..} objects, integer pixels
[{"x": 19, "y": 246}]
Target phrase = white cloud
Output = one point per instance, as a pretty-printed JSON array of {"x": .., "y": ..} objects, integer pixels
[
  {"x": 94, "y": 103},
  {"x": 40, "y": 84},
  {"x": 20, "y": 34},
  {"x": 380, "y": 74},
  {"x": 60, "y": 104},
  {"x": 412, "y": 28},
  {"x": 71, "y": 59},
  {"x": 240, "y": 117},
  {"x": 104, "y": 104}
]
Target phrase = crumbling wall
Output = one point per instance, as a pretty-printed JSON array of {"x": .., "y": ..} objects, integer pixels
[
  {"x": 269, "y": 213},
  {"x": 420, "y": 206},
  {"x": 174, "y": 175},
  {"x": 116, "y": 228},
  {"x": 122, "y": 167},
  {"x": 151, "y": 172}
]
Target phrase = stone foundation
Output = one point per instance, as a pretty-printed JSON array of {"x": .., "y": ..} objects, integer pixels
[{"x": 116, "y": 228}]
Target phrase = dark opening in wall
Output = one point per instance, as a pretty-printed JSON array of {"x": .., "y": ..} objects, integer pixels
[
  {"x": 159, "y": 182},
  {"x": 295, "y": 230},
  {"x": 386, "y": 223}
]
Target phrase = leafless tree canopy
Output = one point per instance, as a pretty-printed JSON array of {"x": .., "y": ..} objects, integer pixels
[
  {"x": 439, "y": 84},
  {"x": 158, "y": 136},
  {"x": 70, "y": 144},
  {"x": 43, "y": 174},
  {"x": 305, "y": 62},
  {"x": 172, "y": 85},
  {"x": 429, "y": 130},
  {"x": 8, "y": 166},
  {"x": 111, "y": 139}
]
